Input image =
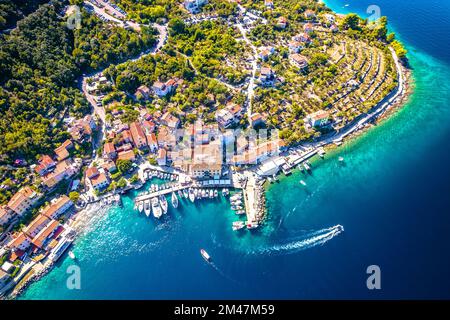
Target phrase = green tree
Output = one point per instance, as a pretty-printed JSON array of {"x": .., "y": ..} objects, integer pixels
[
  {"x": 124, "y": 165},
  {"x": 74, "y": 196}
]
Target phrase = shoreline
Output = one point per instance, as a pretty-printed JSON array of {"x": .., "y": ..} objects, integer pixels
[
  {"x": 84, "y": 219},
  {"x": 88, "y": 216}
]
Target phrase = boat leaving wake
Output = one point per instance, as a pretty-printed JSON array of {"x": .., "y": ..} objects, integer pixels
[{"x": 307, "y": 241}]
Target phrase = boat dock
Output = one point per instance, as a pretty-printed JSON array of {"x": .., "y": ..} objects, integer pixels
[
  {"x": 255, "y": 204},
  {"x": 224, "y": 183}
]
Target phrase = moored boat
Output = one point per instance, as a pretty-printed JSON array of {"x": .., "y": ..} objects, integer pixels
[
  {"x": 303, "y": 182},
  {"x": 191, "y": 194},
  {"x": 238, "y": 225},
  {"x": 157, "y": 212},
  {"x": 185, "y": 193},
  {"x": 147, "y": 208},
  {"x": 174, "y": 200},
  {"x": 163, "y": 203},
  {"x": 252, "y": 225},
  {"x": 141, "y": 206},
  {"x": 72, "y": 255}
]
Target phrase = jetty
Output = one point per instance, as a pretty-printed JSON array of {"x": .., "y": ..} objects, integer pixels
[{"x": 213, "y": 183}]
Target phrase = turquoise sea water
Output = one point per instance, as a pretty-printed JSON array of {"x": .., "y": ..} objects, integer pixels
[{"x": 391, "y": 195}]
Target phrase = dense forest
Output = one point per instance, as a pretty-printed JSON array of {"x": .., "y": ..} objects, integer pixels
[
  {"x": 13, "y": 10},
  {"x": 40, "y": 61}
]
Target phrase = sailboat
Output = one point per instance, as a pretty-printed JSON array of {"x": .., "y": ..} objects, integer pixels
[{"x": 174, "y": 200}]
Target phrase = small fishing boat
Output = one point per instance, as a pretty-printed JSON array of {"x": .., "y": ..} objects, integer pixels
[
  {"x": 147, "y": 208},
  {"x": 205, "y": 255},
  {"x": 163, "y": 203},
  {"x": 157, "y": 212},
  {"x": 191, "y": 194},
  {"x": 252, "y": 225},
  {"x": 141, "y": 206},
  {"x": 341, "y": 159},
  {"x": 303, "y": 182},
  {"x": 174, "y": 200},
  {"x": 238, "y": 225},
  {"x": 72, "y": 255}
]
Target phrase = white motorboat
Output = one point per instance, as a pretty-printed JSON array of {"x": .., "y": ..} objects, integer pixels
[
  {"x": 341, "y": 159},
  {"x": 174, "y": 200},
  {"x": 211, "y": 193},
  {"x": 238, "y": 225},
  {"x": 205, "y": 255},
  {"x": 185, "y": 193},
  {"x": 141, "y": 206},
  {"x": 147, "y": 208},
  {"x": 303, "y": 182},
  {"x": 163, "y": 203},
  {"x": 72, "y": 255},
  {"x": 252, "y": 225},
  {"x": 157, "y": 212},
  {"x": 191, "y": 194},
  {"x": 216, "y": 193}
]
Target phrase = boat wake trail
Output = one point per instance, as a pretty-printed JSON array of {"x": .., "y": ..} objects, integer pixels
[
  {"x": 223, "y": 274},
  {"x": 307, "y": 241}
]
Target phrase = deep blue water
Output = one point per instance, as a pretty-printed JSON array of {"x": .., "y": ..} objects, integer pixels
[{"x": 392, "y": 195}]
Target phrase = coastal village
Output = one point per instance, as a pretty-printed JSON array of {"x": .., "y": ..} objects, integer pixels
[{"x": 228, "y": 144}]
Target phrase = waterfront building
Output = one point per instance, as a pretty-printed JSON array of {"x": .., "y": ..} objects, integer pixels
[
  {"x": 41, "y": 239},
  {"x": 100, "y": 181},
  {"x": 20, "y": 242},
  {"x": 36, "y": 225},
  {"x": 57, "y": 207}
]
